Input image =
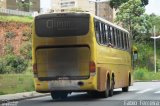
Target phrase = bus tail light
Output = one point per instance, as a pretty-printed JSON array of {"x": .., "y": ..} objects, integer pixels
[
  {"x": 35, "y": 68},
  {"x": 92, "y": 67}
]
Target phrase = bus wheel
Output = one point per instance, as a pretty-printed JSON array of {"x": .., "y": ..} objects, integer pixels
[
  {"x": 58, "y": 95},
  {"x": 64, "y": 95},
  {"x": 105, "y": 93},
  {"x": 112, "y": 87},
  {"x": 55, "y": 95},
  {"x": 125, "y": 89}
]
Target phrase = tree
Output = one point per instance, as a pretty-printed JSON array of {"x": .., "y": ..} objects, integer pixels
[
  {"x": 116, "y": 3},
  {"x": 155, "y": 20},
  {"x": 131, "y": 16},
  {"x": 23, "y": 5},
  {"x": 144, "y": 2}
]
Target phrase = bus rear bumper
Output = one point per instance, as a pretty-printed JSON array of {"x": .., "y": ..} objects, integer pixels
[{"x": 66, "y": 85}]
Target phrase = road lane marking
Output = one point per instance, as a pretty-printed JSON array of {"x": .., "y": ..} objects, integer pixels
[
  {"x": 143, "y": 91},
  {"x": 157, "y": 92}
]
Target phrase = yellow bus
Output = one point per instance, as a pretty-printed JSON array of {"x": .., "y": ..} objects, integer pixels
[{"x": 80, "y": 52}]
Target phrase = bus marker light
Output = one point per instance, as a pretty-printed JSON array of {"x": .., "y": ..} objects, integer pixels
[
  {"x": 92, "y": 67},
  {"x": 35, "y": 68}
]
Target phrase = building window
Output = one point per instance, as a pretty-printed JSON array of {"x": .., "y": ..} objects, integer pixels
[
  {"x": 62, "y": 10},
  {"x": 63, "y": 0},
  {"x": 68, "y": 4}
]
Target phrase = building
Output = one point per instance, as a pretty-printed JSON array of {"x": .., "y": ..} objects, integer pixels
[
  {"x": 102, "y": 9},
  {"x": 105, "y": 11},
  {"x": 8, "y": 4},
  {"x": 35, "y": 5},
  {"x": 22, "y": 5}
]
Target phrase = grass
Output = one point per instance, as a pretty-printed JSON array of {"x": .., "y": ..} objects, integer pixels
[
  {"x": 145, "y": 75},
  {"x": 16, "y": 19},
  {"x": 145, "y": 63},
  {"x": 15, "y": 83}
]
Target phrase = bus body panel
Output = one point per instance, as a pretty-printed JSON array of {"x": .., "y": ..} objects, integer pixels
[{"x": 113, "y": 62}]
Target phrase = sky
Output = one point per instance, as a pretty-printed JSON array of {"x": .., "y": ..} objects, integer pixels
[
  {"x": 45, "y": 4},
  {"x": 152, "y": 7}
]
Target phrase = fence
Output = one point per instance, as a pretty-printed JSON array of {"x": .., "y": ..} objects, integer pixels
[{"x": 16, "y": 12}]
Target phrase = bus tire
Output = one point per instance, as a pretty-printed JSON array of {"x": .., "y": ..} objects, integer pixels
[
  {"x": 54, "y": 95},
  {"x": 105, "y": 93},
  {"x": 58, "y": 95},
  {"x": 125, "y": 89},
  {"x": 129, "y": 79},
  {"x": 112, "y": 86}
]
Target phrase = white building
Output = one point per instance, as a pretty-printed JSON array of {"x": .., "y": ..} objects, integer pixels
[{"x": 103, "y": 9}]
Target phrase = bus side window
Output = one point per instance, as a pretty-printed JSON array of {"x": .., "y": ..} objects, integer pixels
[
  {"x": 118, "y": 38},
  {"x": 104, "y": 34},
  {"x": 126, "y": 41},
  {"x": 106, "y": 31},
  {"x": 109, "y": 34},
  {"x": 122, "y": 40},
  {"x": 101, "y": 34},
  {"x": 113, "y": 36},
  {"x": 97, "y": 29}
]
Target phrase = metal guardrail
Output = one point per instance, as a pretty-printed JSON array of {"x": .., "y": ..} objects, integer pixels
[{"x": 16, "y": 12}]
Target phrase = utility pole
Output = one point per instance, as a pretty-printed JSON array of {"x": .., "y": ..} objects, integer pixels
[
  {"x": 155, "y": 67},
  {"x": 155, "y": 54}
]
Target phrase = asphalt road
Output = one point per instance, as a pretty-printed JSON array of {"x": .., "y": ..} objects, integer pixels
[{"x": 140, "y": 94}]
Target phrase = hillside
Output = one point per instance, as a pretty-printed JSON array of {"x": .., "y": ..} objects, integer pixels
[
  {"x": 14, "y": 32},
  {"x": 15, "y": 44}
]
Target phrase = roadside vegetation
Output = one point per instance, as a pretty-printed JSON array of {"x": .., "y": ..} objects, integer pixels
[
  {"x": 15, "y": 83},
  {"x": 144, "y": 69},
  {"x": 145, "y": 75},
  {"x": 15, "y": 60},
  {"x": 16, "y": 19}
]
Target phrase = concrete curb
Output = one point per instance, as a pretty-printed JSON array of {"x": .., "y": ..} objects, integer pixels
[{"x": 21, "y": 96}]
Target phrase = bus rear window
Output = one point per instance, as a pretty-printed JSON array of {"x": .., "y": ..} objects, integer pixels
[{"x": 62, "y": 25}]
